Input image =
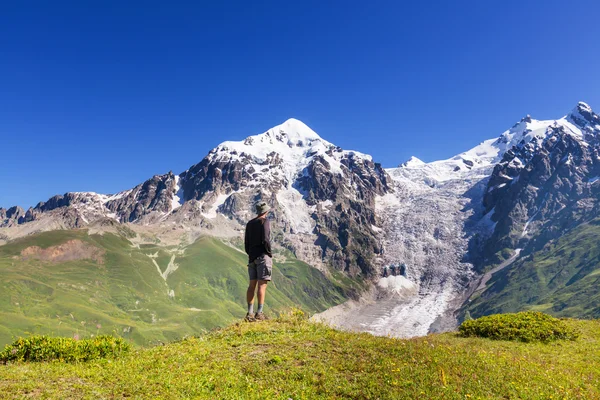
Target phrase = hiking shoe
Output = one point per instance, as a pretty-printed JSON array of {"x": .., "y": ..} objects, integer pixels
[
  {"x": 250, "y": 317},
  {"x": 260, "y": 317}
]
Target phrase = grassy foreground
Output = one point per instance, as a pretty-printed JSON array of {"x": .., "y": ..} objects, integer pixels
[{"x": 292, "y": 358}]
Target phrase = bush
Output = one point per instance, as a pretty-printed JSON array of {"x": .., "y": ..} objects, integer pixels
[
  {"x": 528, "y": 326},
  {"x": 45, "y": 348},
  {"x": 292, "y": 314}
]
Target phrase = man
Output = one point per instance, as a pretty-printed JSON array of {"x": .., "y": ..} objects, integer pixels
[{"x": 257, "y": 243}]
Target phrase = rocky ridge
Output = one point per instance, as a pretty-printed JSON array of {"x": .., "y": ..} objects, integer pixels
[{"x": 546, "y": 184}]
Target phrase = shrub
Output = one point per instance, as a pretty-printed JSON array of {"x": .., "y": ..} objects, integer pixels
[
  {"x": 468, "y": 316},
  {"x": 45, "y": 348},
  {"x": 528, "y": 326},
  {"x": 292, "y": 314}
]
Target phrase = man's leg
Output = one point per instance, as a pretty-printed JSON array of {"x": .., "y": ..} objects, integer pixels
[
  {"x": 262, "y": 291},
  {"x": 265, "y": 269},
  {"x": 253, "y": 278},
  {"x": 250, "y": 295}
]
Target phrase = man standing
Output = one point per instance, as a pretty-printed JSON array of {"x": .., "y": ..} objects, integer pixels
[{"x": 257, "y": 243}]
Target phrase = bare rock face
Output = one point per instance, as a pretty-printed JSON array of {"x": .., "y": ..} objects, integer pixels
[
  {"x": 71, "y": 250},
  {"x": 345, "y": 211},
  {"x": 12, "y": 216},
  {"x": 155, "y": 196},
  {"x": 236, "y": 206}
]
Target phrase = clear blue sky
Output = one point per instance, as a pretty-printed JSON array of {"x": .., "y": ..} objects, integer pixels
[{"x": 99, "y": 96}]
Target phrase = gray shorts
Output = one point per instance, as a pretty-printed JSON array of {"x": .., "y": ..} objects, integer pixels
[{"x": 261, "y": 268}]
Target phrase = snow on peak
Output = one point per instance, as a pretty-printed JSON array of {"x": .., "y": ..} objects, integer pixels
[
  {"x": 292, "y": 136},
  {"x": 293, "y": 143},
  {"x": 582, "y": 116},
  {"x": 480, "y": 159},
  {"x": 412, "y": 162},
  {"x": 582, "y": 106},
  {"x": 277, "y": 158},
  {"x": 292, "y": 133},
  {"x": 296, "y": 129}
]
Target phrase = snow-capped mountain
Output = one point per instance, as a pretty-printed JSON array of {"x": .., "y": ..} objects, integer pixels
[
  {"x": 323, "y": 197},
  {"x": 448, "y": 219},
  {"x": 320, "y": 192},
  {"x": 421, "y": 232}
]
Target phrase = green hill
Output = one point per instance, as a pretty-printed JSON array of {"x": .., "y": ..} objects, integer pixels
[
  {"x": 562, "y": 279},
  {"x": 292, "y": 358},
  {"x": 72, "y": 283}
]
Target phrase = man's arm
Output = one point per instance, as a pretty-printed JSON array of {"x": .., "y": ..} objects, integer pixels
[
  {"x": 246, "y": 244},
  {"x": 267, "y": 237}
]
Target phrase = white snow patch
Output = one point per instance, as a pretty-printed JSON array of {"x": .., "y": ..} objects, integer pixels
[
  {"x": 296, "y": 210},
  {"x": 397, "y": 284},
  {"x": 487, "y": 222},
  {"x": 290, "y": 147},
  {"x": 496, "y": 187},
  {"x": 177, "y": 199},
  {"x": 117, "y": 196},
  {"x": 524, "y": 233},
  {"x": 412, "y": 163},
  {"x": 212, "y": 212},
  {"x": 326, "y": 206},
  {"x": 376, "y": 229},
  {"x": 485, "y": 155}
]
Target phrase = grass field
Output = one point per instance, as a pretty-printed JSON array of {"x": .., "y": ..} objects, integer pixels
[
  {"x": 563, "y": 279},
  {"x": 291, "y": 358},
  {"x": 125, "y": 294}
]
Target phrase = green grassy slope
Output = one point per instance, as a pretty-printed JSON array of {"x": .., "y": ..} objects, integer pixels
[
  {"x": 126, "y": 295},
  {"x": 563, "y": 279},
  {"x": 291, "y": 358}
]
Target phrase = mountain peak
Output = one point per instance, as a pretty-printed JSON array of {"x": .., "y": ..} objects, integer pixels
[
  {"x": 412, "y": 162},
  {"x": 294, "y": 129},
  {"x": 582, "y": 115},
  {"x": 582, "y": 106},
  {"x": 527, "y": 119}
]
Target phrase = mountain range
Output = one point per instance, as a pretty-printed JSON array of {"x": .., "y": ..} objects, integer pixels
[{"x": 505, "y": 226}]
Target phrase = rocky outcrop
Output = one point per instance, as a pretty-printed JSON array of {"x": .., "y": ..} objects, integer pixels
[
  {"x": 153, "y": 198},
  {"x": 345, "y": 225},
  {"x": 11, "y": 217}
]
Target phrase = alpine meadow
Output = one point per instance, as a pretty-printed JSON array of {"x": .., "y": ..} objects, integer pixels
[{"x": 259, "y": 200}]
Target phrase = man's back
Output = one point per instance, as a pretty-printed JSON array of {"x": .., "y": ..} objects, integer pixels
[{"x": 257, "y": 238}]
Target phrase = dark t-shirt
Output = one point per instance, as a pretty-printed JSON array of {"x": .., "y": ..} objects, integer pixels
[{"x": 257, "y": 240}]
